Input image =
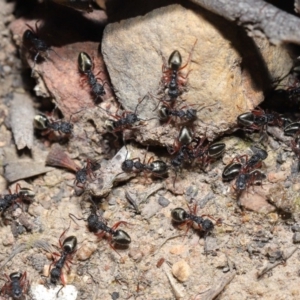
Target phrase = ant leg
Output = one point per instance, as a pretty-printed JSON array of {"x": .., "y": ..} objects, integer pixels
[
  {"x": 61, "y": 236},
  {"x": 190, "y": 56},
  {"x": 100, "y": 235},
  {"x": 115, "y": 226},
  {"x": 62, "y": 280}
]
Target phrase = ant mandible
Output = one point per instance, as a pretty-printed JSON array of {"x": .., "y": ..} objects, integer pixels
[
  {"x": 86, "y": 66},
  {"x": 16, "y": 286}
]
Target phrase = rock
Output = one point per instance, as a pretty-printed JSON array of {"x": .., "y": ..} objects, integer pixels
[
  {"x": 220, "y": 76},
  {"x": 38, "y": 291},
  {"x": 181, "y": 270},
  {"x": 256, "y": 203},
  {"x": 164, "y": 202},
  {"x": 278, "y": 176},
  {"x": 296, "y": 237},
  {"x": 178, "y": 249},
  {"x": 58, "y": 76},
  {"x": 85, "y": 251},
  {"x": 296, "y": 228}
]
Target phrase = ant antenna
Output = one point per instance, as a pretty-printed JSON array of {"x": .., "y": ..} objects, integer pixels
[{"x": 140, "y": 101}]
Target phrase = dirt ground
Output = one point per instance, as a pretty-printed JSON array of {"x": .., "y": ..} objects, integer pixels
[{"x": 252, "y": 255}]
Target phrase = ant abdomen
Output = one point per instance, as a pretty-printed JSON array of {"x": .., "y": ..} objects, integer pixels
[
  {"x": 179, "y": 214},
  {"x": 121, "y": 237}
]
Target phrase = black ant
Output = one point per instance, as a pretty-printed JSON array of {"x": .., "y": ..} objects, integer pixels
[
  {"x": 48, "y": 125},
  {"x": 20, "y": 195},
  {"x": 16, "y": 286},
  {"x": 82, "y": 174},
  {"x": 173, "y": 80},
  {"x": 166, "y": 113},
  {"x": 34, "y": 44},
  {"x": 42, "y": 122},
  {"x": 179, "y": 215},
  {"x": 235, "y": 168},
  {"x": 205, "y": 153},
  {"x": 86, "y": 66},
  {"x": 68, "y": 247},
  {"x": 258, "y": 119},
  {"x": 100, "y": 229},
  {"x": 157, "y": 168},
  {"x": 124, "y": 121},
  {"x": 245, "y": 172},
  {"x": 244, "y": 180}
]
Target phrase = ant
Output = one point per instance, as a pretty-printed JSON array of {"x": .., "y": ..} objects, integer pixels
[
  {"x": 42, "y": 122},
  {"x": 157, "y": 168},
  {"x": 68, "y": 247},
  {"x": 20, "y": 194},
  {"x": 244, "y": 180},
  {"x": 16, "y": 286},
  {"x": 234, "y": 169},
  {"x": 207, "y": 153},
  {"x": 166, "y": 113},
  {"x": 179, "y": 215},
  {"x": 34, "y": 44},
  {"x": 258, "y": 119},
  {"x": 246, "y": 172},
  {"x": 100, "y": 229},
  {"x": 295, "y": 145},
  {"x": 173, "y": 81},
  {"x": 87, "y": 171},
  {"x": 86, "y": 67},
  {"x": 124, "y": 121}
]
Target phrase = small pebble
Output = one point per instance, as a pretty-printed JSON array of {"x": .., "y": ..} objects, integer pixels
[
  {"x": 296, "y": 237},
  {"x": 85, "y": 251},
  {"x": 181, "y": 270},
  {"x": 164, "y": 202},
  {"x": 296, "y": 228}
]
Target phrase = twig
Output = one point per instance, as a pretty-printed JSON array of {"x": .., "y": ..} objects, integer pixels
[
  {"x": 218, "y": 287},
  {"x": 259, "y": 17},
  {"x": 270, "y": 266}
]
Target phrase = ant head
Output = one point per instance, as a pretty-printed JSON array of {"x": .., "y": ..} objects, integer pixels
[
  {"x": 207, "y": 225},
  {"x": 85, "y": 63},
  {"x": 175, "y": 60}
]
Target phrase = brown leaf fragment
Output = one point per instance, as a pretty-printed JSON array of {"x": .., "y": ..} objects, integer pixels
[
  {"x": 22, "y": 114},
  {"x": 58, "y": 158}
]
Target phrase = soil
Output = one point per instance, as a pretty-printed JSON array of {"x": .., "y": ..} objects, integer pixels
[{"x": 251, "y": 255}]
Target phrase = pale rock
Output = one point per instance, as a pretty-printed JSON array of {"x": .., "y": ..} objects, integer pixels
[
  {"x": 256, "y": 202},
  {"x": 226, "y": 66},
  {"x": 181, "y": 270},
  {"x": 86, "y": 251},
  {"x": 38, "y": 291}
]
